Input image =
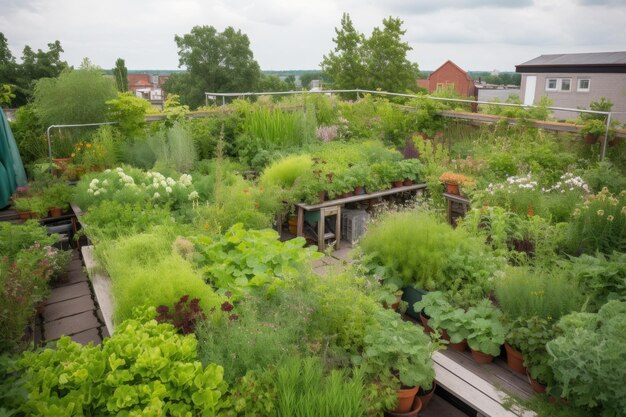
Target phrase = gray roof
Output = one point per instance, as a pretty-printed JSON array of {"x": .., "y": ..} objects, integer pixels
[{"x": 594, "y": 58}]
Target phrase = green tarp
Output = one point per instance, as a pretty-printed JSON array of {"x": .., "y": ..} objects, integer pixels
[{"x": 12, "y": 174}]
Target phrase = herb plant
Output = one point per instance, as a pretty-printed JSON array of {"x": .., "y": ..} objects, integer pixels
[{"x": 486, "y": 331}]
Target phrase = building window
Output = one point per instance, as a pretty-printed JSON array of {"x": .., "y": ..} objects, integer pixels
[
  {"x": 584, "y": 84},
  {"x": 558, "y": 84}
]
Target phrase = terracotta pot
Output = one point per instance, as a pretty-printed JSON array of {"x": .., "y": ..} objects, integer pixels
[
  {"x": 515, "y": 359},
  {"x": 359, "y": 190},
  {"x": 25, "y": 215},
  {"x": 349, "y": 194},
  {"x": 397, "y": 184},
  {"x": 416, "y": 407},
  {"x": 56, "y": 212},
  {"x": 62, "y": 164},
  {"x": 590, "y": 138},
  {"x": 426, "y": 396},
  {"x": 408, "y": 182},
  {"x": 537, "y": 387},
  {"x": 460, "y": 347},
  {"x": 322, "y": 196},
  {"x": 480, "y": 357},
  {"x": 424, "y": 321},
  {"x": 293, "y": 225},
  {"x": 406, "y": 398},
  {"x": 453, "y": 189}
]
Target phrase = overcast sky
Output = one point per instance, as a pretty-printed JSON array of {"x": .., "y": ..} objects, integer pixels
[{"x": 475, "y": 34}]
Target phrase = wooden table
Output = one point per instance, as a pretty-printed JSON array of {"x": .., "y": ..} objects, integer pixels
[
  {"x": 457, "y": 207},
  {"x": 331, "y": 207}
]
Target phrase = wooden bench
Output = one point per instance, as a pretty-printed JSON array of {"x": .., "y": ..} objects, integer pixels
[
  {"x": 101, "y": 287},
  {"x": 328, "y": 208},
  {"x": 483, "y": 387}
]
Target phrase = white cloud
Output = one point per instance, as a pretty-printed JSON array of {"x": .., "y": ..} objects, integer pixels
[{"x": 477, "y": 35}]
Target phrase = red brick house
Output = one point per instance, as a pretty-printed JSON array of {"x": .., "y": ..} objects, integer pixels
[
  {"x": 449, "y": 75},
  {"x": 147, "y": 86}
]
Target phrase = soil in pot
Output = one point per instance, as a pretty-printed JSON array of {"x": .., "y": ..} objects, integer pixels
[
  {"x": 413, "y": 412},
  {"x": 25, "y": 215},
  {"x": 480, "y": 357},
  {"x": 426, "y": 396},
  {"x": 359, "y": 190},
  {"x": 515, "y": 359},
  {"x": 406, "y": 398}
]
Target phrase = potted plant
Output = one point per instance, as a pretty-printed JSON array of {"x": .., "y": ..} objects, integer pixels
[
  {"x": 530, "y": 336},
  {"x": 57, "y": 197},
  {"x": 395, "y": 348},
  {"x": 359, "y": 174},
  {"x": 592, "y": 130},
  {"x": 453, "y": 182},
  {"x": 486, "y": 333},
  {"x": 410, "y": 170},
  {"x": 30, "y": 207},
  {"x": 387, "y": 172},
  {"x": 443, "y": 315}
]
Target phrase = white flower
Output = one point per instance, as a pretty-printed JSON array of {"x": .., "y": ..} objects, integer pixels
[
  {"x": 106, "y": 171},
  {"x": 118, "y": 169},
  {"x": 168, "y": 189},
  {"x": 193, "y": 195},
  {"x": 610, "y": 218},
  {"x": 170, "y": 181},
  {"x": 600, "y": 212},
  {"x": 97, "y": 193},
  {"x": 90, "y": 191},
  {"x": 185, "y": 180},
  {"x": 156, "y": 195},
  {"x": 105, "y": 182},
  {"x": 163, "y": 184}
]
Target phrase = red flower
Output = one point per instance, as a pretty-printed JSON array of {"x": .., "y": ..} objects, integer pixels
[
  {"x": 233, "y": 317},
  {"x": 226, "y": 306}
]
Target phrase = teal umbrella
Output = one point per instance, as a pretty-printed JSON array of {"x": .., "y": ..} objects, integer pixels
[{"x": 12, "y": 174}]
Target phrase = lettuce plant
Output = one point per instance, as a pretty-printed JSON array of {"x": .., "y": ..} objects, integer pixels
[{"x": 486, "y": 331}]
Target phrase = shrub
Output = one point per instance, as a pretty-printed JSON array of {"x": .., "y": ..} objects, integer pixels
[
  {"x": 129, "y": 112},
  {"x": 588, "y": 359},
  {"x": 523, "y": 293},
  {"x": 598, "y": 224},
  {"x": 242, "y": 260},
  {"x": 283, "y": 173},
  {"x": 146, "y": 260},
  {"x": 144, "y": 368}
]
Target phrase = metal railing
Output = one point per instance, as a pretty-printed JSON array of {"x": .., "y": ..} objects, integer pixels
[{"x": 358, "y": 91}]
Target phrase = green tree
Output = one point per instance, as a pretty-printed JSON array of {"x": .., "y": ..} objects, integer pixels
[
  {"x": 345, "y": 65},
  {"x": 120, "y": 72},
  {"x": 8, "y": 66},
  {"x": 6, "y": 94},
  {"x": 76, "y": 96},
  {"x": 215, "y": 62},
  {"x": 290, "y": 82},
  {"x": 377, "y": 62},
  {"x": 307, "y": 77},
  {"x": 387, "y": 65},
  {"x": 272, "y": 83},
  {"x": 129, "y": 112}
]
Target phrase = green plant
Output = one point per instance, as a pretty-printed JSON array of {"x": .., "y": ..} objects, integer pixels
[
  {"x": 144, "y": 368},
  {"x": 174, "y": 148},
  {"x": 605, "y": 174},
  {"x": 35, "y": 204},
  {"x": 258, "y": 332},
  {"x": 129, "y": 112},
  {"x": 58, "y": 195},
  {"x": 549, "y": 294},
  {"x": 443, "y": 315},
  {"x": 242, "y": 260},
  {"x": 147, "y": 260},
  {"x": 411, "y": 169},
  {"x": 598, "y": 224},
  {"x": 529, "y": 336},
  {"x": 593, "y": 127},
  {"x": 304, "y": 390},
  {"x": 254, "y": 394},
  {"x": 485, "y": 328},
  {"x": 588, "y": 358},
  {"x": 14, "y": 237},
  {"x": 600, "y": 277},
  {"x": 397, "y": 348},
  {"x": 285, "y": 172},
  {"x": 99, "y": 152}
]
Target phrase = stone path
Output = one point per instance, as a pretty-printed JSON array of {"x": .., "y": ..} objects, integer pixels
[{"x": 70, "y": 309}]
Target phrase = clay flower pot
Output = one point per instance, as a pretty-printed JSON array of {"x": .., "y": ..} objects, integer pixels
[
  {"x": 426, "y": 396},
  {"x": 358, "y": 190},
  {"x": 452, "y": 188},
  {"x": 537, "y": 387},
  {"x": 424, "y": 321},
  {"x": 56, "y": 212},
  {"x": 460, "y": 347},
  {"x": 397, "y": 184},
  {"x": 25, "y": 215},
  {"x": 480, "y": 357},
  {"x": 416, "y": 407},
  {"x": 408, "y": 182},
  {"x": 406, "y": 398},
  {"x": 515, "y": 359}
]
